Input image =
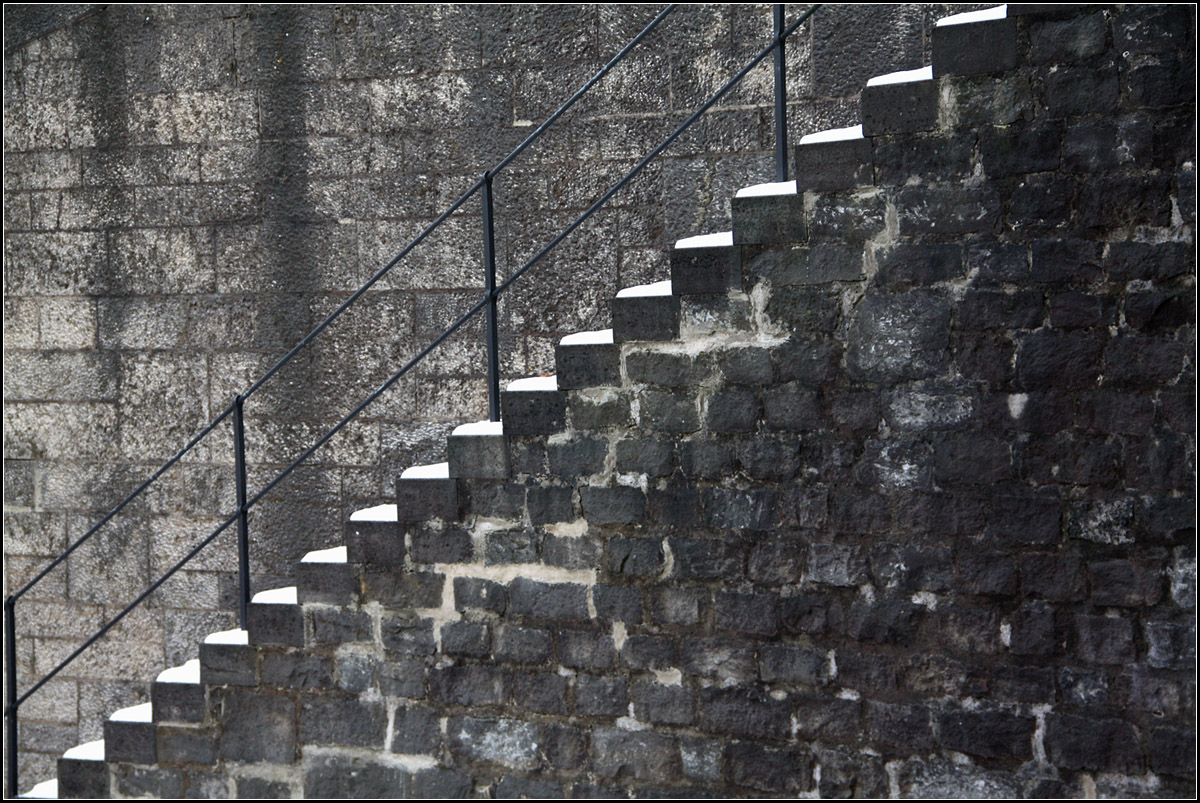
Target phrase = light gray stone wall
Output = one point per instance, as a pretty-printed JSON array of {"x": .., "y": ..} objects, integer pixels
[{"x": 188, "y": 190}]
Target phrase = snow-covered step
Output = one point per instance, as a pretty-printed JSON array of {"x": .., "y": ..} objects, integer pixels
[
  {"x": 587, "y": 359},
  {"x": 226, "y": 658},
  {"x": 901, "y": 102},
  {"x": 325, "y": 575},
  {"x": 769, "y": 213},
  {"x": 129, "y": 735},
  {"x": 82, "y": 772},
  {"x": 478, "y": 450},
  {"x": 533, "y": 406},
  {"x": 424, "y": 492},
  {"x": 706, "y": 264},
  {"x": 835, "y": 159},
  {"x": 378, "y": 513},
  {"x": 177, "y": 695},
  {"x": 646, "y": 312},
  {"x": 975, "y": 43},
  {"x": 275, "y": 617}
]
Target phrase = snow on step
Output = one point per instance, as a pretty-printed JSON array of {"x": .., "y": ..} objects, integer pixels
[
  {"x": 46, "y": 790},
  {"x": 762, "y": 190},
  {"x": 833, "y": 135},
  {"x": 276, "y": 596},
  {"x": 480, "y": 428},
  {"x": 188, "y": 673},
  {"x": 377, "y": 513},
  {"x": 537, "y": 382},
  {"x": 434, "y": 471},
  {"x": 134, "y": 713},
  {"x": 903, "y": 77},
  {"x": 235, "y": 636},
  {"x": 662, "y": 288},
  {"x": 597, "y": 338},
  {"x": 91, "y": 751},
  {"x": 996, "y": 13},
  {"x": 721, "y": 238},
  {"x": 335, "y": 554}
]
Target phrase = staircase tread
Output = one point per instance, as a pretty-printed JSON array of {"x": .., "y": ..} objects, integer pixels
[
  {"x": 335, "y": 554},
  {"x": 479, "y": 428},
  {"x": 833, "y": 135},
  {"x": 142, "y": 712},
  {"x": 432, "y": 471},
  {"x": 46, "y": 790},
  {"x": 534, "y": 383},
  {"x": 715, "y": 240},
  {"x": 386, "y": 512},
  {"x": 187, "y": 673},
  {"x": 88, "y": 751},
  {"x": 275, "y": 596},
  {"x": 903, "y": 77},
  {"x": 765, "y": 190},
  {"x": 598, "y": 337},
  {"x": 967, "y": 17},
  {"x": 235, "y": 636}
]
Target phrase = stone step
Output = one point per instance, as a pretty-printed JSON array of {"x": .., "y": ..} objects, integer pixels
[
  {"x": 326, "y": 576},
  {"x": 373, "y": 536},
  {"x": 275, "y": 617},
  {"x": 975, "y": 43},
  {"x": 227, "y": 659},
  {"x": 835, "y": 159},
  {"x": 129, "y": 735},
  {"x": 534, "y": 406},
  {"x": 646, "y": 312},
  {"x": 587, "y": 360},
  {"x": 82, "y": 772},
  {"x": 705, "y": 265},
  {"x": 765, "y": 214},
  {"x": 478, "y": 450},
  {"x": 427, "y": 492},
  {"x": 900, "y": 103},
  {"x": 177, "y": 694}
]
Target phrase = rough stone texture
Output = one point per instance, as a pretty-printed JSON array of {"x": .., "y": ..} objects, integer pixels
[{"x": 908, "y": 508}]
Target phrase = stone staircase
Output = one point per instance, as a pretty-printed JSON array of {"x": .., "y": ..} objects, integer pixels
[{"x": 789, "y": 527}]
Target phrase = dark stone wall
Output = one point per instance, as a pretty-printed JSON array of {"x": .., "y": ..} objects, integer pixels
[{"x": 189, "y": 189}]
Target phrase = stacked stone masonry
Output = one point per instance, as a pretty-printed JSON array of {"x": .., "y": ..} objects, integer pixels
[{"x": 893, "y": 495}]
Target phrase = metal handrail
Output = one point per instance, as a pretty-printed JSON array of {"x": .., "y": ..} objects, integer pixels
[{"x": 491, "y": 294}]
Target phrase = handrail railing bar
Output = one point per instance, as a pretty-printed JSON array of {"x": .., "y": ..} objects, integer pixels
[
  {"x": 662, "y": 146},
  {"x": 582, "y": 90},
  {"x": 12, "y": 706},
  {"x": 212, "y": 425},
  {"x": 362, "y": 406},
  {"x": 454, "y": 207}
]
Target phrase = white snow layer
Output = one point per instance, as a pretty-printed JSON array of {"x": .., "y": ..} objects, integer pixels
[
  {"x": 235, "y": 636},
  {"x": 833, "y": 135},
  {"x": 377, "y": 513},
  {"x": 761, "y": 190},
  {"x": 88, "y": 751},
  {"x": 134, "y": 713},
  {"x": 535, "y": 382},
  {"x": 335, "y": 554},
  {"x": 188, "y": 673},
  {"x": 903, "y": 77},
  {"x": 599, "y": 337},
  {"x": 997, "y": 13},
  {"x": 276, "y": 596},
  {"x": 480, "y": 428},
  {"x": 433, "y": 471},
  {"x": 721, "y": 238},
  {"x": 662, "y": 288}
]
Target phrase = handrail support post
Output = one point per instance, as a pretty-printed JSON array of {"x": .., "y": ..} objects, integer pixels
[
  {"x": 489, "y": 270},
  {"x": 239, "y": 463},
  {"x": 781, "y": 160},
  {"x": 10, "y": 685}
]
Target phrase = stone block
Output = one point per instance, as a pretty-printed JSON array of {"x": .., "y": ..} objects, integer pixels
[
  {"x": 533, "y": 412},
  {"x": 899, "y": 108},
  {"x": 975, "y": 48},
  {"x": 837, "y": 165},
  {"x": 645, "y": 318},
  {"x": 228, "y": 665},
  {"x": 270, "y": 623},
  {"x": 703, "y": 271},
  {"x": 327, "y": 583},
  {"x": 377, "y": 543},
  {"x": 587, "y": 365},
  {"x": 768, "y": 219},
  {"x": 421, "y": 499}
]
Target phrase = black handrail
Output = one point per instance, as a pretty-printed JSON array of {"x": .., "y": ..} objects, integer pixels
[{"x": 492, "y": 292}]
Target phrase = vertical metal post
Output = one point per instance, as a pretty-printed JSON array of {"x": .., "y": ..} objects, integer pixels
[
  {"x": 239, "y": 464},
  {"x": 489, "y": 269},
  {"x": 10, "y": 685},
  {"x": 781, "y": 160}
]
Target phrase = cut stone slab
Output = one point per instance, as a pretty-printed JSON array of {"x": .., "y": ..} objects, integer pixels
[
  {"x": 82, "y": 772},
  {"x": 325, "y": 576},
  {"x": 533, "y": 406},
  {"x": 129, "y": 735},
  {"x": 177, "y": 695},
  {"x": 705, "y": 265},
  {"x": 900, "y": 103},
  {"x": 226, "y": 658},
  {"x": 975, "y": 43},
  {"x": 478, "y": 450},
  {"x": 646, "y": 312},
  {"x": 587, "y": 359},
  {"x": 768, "y": 213},
  {"x": 837, "y": 159},
  {"x": 426, "y": 492},
  {"x": 275, "y": 617}
]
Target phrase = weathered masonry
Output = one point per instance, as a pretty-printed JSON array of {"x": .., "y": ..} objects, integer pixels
[{"x": 886, "y": 491}]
